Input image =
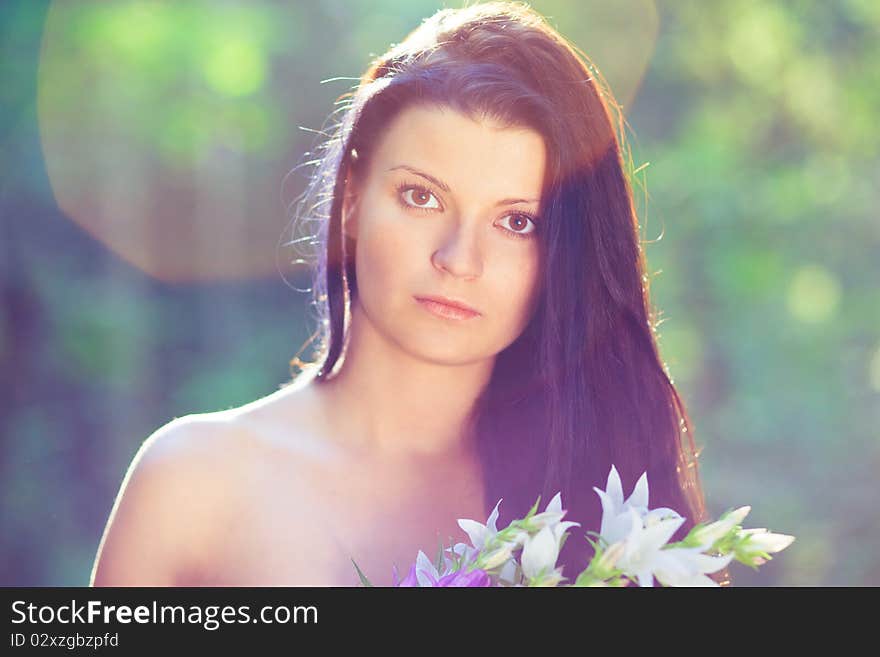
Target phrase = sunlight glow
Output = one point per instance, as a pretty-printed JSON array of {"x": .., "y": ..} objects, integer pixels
[{"x": 813, "y": 295}]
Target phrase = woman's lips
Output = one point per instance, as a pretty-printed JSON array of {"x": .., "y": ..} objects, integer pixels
[{"x": 446, "y": 311}]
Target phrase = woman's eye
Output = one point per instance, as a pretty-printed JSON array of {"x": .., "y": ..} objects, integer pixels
[
  {"x": 520, "y": 224},
  {"x": 418, "y": 197}
]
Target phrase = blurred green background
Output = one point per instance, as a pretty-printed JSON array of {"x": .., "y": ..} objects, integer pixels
[{"x": 149, "y": 158}]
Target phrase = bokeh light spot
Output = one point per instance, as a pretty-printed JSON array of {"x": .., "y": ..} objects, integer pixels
[
  {"x": 813, "y": 295},
  {"x": 234, "y": 66}
]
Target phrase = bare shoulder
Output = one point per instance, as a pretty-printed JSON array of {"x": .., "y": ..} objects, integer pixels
[
  {"x": 170, "y": 503},
  {"x": 290, "y": 423},
  {"x": 255, "y": 468}
]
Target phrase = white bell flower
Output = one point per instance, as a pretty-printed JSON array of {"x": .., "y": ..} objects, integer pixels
[
  {"x": 616, "y": 521},
  {"x": 645, "y": 558}
]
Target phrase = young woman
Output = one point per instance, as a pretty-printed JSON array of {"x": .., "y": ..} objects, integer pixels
[{"x": 486, "y": 332}]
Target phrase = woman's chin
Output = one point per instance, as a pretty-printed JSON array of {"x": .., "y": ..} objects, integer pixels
[{"x": 446, "y": 351}]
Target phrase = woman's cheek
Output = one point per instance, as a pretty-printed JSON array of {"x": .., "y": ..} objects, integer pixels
[
  {"x": 373, "y": 265},
  {"x": 521, "y": 283},
  {"x": 384, "y": 243}
]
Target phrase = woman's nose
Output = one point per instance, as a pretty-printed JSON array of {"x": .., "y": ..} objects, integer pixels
[{"x": 459, "y": 254}]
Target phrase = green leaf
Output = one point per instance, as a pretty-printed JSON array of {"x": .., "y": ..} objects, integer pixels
[
  {"x": 593, "y": 544},
  {"x": 439, "y": 564},
  {"x": 586, "y": 578},
  {"x": 363, "y": 577}
]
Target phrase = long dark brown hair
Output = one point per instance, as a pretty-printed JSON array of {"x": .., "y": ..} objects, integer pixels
[{"x": 584, "y": 386}]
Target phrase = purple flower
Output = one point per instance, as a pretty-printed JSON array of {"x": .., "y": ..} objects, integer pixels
[
  {"x": 409, "y": 580},
  {"x": 471, "y": 578},
  {"x": 474, "y": 577}
]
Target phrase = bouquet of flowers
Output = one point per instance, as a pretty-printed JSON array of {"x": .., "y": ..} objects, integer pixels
[{"x": 630, "y": 548}]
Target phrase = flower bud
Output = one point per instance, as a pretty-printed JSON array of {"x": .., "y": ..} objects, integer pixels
[
  {"x": 496, "y": 558},
  {"x": 609, "y": 558},
  {"x": 761, "y": 540},
  {"x": 713, "y": 532}
]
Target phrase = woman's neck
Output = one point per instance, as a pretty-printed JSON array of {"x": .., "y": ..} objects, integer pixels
[{"x": 388, "y": 402}]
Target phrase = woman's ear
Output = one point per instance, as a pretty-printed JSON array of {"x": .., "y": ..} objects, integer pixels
[
  {"x": 350, "y": 206},
  {"x": 349, "y": 215}
]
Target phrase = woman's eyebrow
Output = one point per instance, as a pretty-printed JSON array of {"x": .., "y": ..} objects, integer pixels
[{"x": 442, "y": 185}]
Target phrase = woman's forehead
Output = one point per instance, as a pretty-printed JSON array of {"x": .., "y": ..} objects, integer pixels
[{"x": 458, "y": 149}]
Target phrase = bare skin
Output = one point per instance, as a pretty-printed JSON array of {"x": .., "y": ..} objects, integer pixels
[
  {"x": 279, "y": 507},
  {"x": 380, "y": 461},
  {"x": 338, "y": 505}
]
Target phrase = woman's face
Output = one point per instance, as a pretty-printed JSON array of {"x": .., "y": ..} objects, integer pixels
[{"x": 447, "y": 209}]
